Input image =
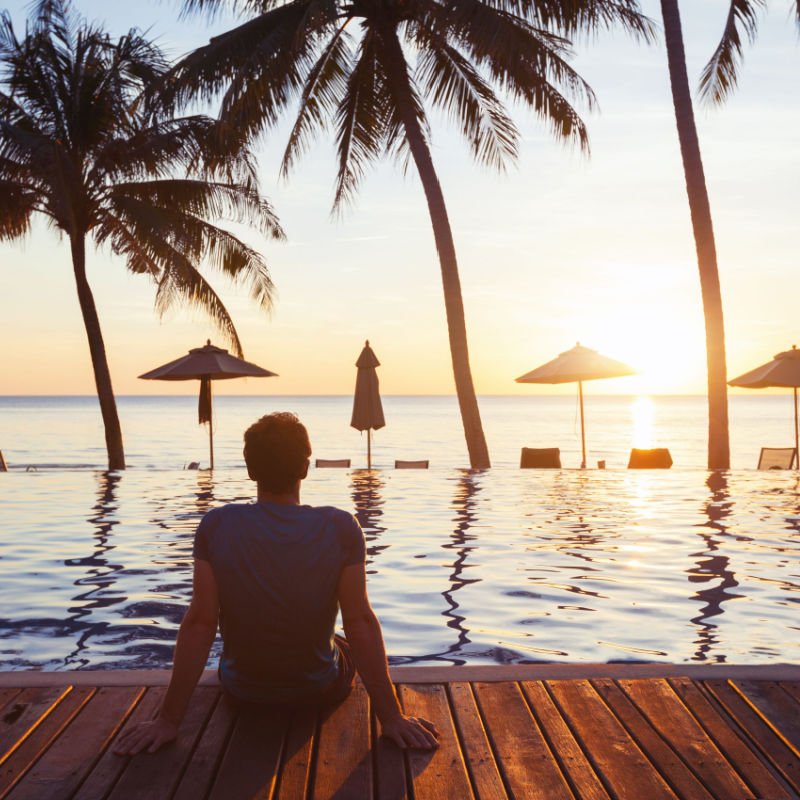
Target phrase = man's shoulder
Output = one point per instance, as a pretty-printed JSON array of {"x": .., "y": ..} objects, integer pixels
[
  {"x": 220, "y": 514},
  {"x": 338, "y": 516}
]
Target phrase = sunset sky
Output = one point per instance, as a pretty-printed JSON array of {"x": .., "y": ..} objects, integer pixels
[{"x": 563, "y": 248}]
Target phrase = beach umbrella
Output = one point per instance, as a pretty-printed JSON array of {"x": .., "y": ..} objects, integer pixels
[
  {"x": 577, "y": 365},
  {"x": 207, "y": 364},
  {"x": 367, "y": 409},
  {"x": 783, "y": 370}
]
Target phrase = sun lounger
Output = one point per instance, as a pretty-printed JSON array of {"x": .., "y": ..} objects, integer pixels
[
  {"x": 333, "y": 462},
  {"x": 654, "y": 458},
  {"x": 777, "y": 458},
  {"x": 411, "y": 464},
  {"x": 540, "y": 457}
]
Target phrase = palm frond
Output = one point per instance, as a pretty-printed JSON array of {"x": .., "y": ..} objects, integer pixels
[
  {"x": 721, "y": 74},
  {"x": 451, "y": 83},
  {"x": 582, "y": 17},
  {"x": 360, "y": 122},
  {"x": 324, "y": 87}
]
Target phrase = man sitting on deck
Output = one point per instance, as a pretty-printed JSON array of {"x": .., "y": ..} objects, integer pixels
[{"x": 273, "y": 574}]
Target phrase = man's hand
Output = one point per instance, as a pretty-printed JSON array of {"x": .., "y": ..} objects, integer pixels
[
  {"x": 411, "y": 732},
  {"x": 146, "y": 736}
]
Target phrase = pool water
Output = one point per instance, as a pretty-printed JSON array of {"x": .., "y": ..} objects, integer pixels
[{"x": 504, "y": 566}]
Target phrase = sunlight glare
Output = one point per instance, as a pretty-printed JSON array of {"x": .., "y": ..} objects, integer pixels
[{"x": 642, "y": 412}]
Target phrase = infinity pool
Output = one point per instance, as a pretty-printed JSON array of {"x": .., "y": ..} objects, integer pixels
[{"x": 505, "y": 566}]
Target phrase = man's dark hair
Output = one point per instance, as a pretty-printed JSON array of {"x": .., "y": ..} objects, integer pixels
[{"x": 276, "y": 451}]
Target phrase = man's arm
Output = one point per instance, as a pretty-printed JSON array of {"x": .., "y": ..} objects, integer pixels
[
  {"x": 363, "y": 632},
  {"x": 195, "y": 637}
]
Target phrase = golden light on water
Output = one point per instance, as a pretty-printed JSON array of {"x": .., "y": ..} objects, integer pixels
[{"x": 642, "y": 416}]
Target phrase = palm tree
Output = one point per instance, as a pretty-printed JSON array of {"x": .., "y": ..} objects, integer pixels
[
  {"x": 365, "y": 67},
  {"x": 721, "y": 74},
  {"x": 700, "y": 210},
  {"x": 80, "y": 148}
]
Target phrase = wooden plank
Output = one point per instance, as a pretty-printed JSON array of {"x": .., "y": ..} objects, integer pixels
[
  {"x": 249, "y": 766},
  {"x": 667, "y": 713},
  {"x": 23, "y": 757},
  {"x": 344, "y": 756},
  {"x": 676, "y": 773},
  {"x": 202, "y": 767},
  {"x": 620, "y": 761},
  {"x": 24, "y": 714},
  {"x": 478, "y": 754},
  {"x": 6, "y": 696},
  {"x": 108, "y": 768},
  {"x": 295, "y": 772},
  {"x": 792, "y": 688},
  {"x": 435, "y": 774},
  {"x": 526, "y": 762},
  {"x": 758, "y": 776},
  {"x": 759, "y": 733},
  {"x": 154, "y": 776},
  {"x": 778, "y": 706},
  {"x": 572, "y": 759},
  {"x": 390, "y": 768}
]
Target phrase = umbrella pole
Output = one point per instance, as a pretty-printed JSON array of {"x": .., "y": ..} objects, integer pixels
[
  {"x": 796, "y": 437},
  {"x": 210, "y": 426},
  {"x": 369, "y": 447},
  {"x": 583, "y": 430}
]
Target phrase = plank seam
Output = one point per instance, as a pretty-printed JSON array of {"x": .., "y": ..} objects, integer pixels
[
  {"x": 574, "y": 788},
  {"x": 46, "y": 746},
  {"x": 492, "y": 744},
  {"x": 110, "y": 738},
  {"x": 764, "y": 718},
  {"x": 752, "y": 739},
  {"x": 677, "y": 753},
  {"x": 584, "y": 746},
  {"x": 195, "y": 744},
  {"x": 226, "y": 743},
  {"x": 733, "y": 729},
  {"x": 37, "y": 722},
  {"x": 460, "y": 740}
]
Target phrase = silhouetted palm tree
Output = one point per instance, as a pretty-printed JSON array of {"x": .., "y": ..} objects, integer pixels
[
  {"x": 721, "y": 74},
  {"x": 700, "y": 210},
  {"x": 367, "y": 67},
  {"x": 79, "y": 148}
]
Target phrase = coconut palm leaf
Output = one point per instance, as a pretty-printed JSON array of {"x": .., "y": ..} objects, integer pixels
[
  {"x": 721, "y": 74},
  {"x": 367, "y": 69},
  {"x": 83, "y": 144}
]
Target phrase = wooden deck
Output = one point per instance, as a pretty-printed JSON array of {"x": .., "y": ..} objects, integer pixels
[{"x": 604, "y": 736}]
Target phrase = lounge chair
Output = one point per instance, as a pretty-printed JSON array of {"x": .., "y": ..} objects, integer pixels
[
  {"x": 424, "y": 464},
  {"x": 654, "y": 458},
  {"x": 777, "y": 458},
  {"x": 540, "y": 457},
  {"x": 332, "y": 462}
]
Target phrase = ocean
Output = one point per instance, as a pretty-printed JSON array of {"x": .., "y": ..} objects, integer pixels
[{"x": 498, "y": 566}]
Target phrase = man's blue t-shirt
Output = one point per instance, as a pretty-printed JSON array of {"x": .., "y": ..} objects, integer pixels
[{"x": 277, "y": 568}]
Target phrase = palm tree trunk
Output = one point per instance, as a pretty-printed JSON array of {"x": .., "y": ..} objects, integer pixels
[
  {"x": 445, "y": 246},
  {"x": 718, "y": 443},
  {"x": 102, "y": 375}
]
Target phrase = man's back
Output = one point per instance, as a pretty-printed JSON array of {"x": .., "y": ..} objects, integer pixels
[{"x": 277, "y": 568}]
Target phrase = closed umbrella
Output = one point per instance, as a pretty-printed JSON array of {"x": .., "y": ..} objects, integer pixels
[
  {"x": 367, "y": 409},
  {"x": 207, "y": 364},
  {"x": 783, "y": 370},
  {"x": 577, "y": 365}
]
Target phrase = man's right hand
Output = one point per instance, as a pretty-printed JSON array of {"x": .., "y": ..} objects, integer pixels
[{"x": 411, "y": 732}]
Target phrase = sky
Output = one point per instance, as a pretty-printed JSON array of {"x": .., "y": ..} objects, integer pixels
[{"x": 562, "y": 248}]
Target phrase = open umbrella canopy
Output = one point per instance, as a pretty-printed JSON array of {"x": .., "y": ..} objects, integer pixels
[
  {"x": 783, "y": 370},
  {"x": 578, "y": 364},
  {"x": 575, "y": 366},
  {"x": 207, "y": 364},
  {"x": 367, "y": 408}
]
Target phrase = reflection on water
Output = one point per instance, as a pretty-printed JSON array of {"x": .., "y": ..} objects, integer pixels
[{"x": 464, "y": 567}]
